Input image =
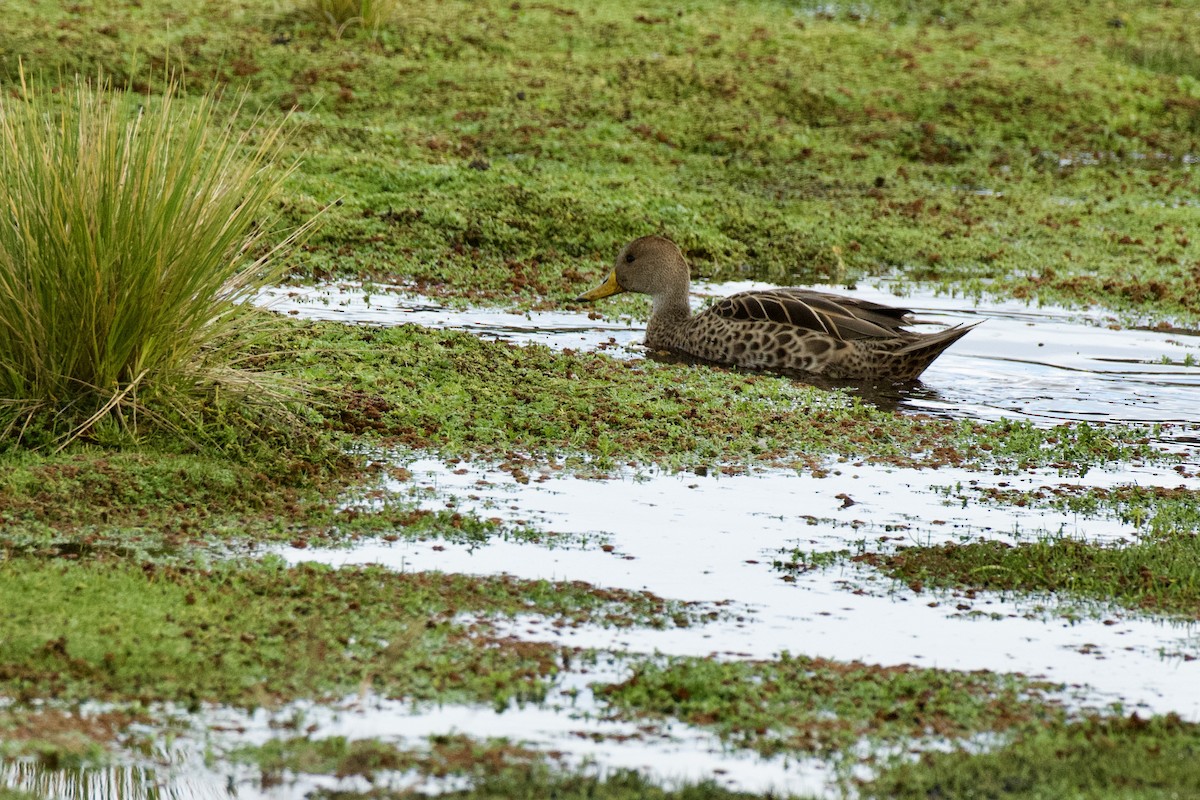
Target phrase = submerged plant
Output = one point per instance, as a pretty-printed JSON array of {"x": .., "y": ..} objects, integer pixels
[{"x": 132, "y": 230}]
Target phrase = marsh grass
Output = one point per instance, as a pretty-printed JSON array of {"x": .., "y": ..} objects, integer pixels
[
  {"x": 342, "y": 15},
  {"x": 1162, "y": 577},
  {"x": 133, "y": 229},
  {"x": 1174, "y": 55}
]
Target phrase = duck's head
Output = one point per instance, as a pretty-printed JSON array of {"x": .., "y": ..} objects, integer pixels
[{"x": 650, "y": 265}]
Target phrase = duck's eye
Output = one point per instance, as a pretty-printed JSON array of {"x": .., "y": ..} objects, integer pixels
[{"x": 629, "y": 258}]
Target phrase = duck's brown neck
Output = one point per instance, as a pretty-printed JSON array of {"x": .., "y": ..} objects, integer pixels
[
  {"x": 673, "y": 303},
  {"x": 672, "y": 306},
  {"x": 670, "y": 314}
]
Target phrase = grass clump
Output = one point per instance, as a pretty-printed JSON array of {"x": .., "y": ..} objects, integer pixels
[
  {"x": 538, "y": 781},
  {"x": 1096, "y": 759},
  {"x": 13, "y": 794},
  {"x": 1161, "y": 576},
  {"x": 341, "y": 15},
  {"x": 265, "y": 633},
  {"x": 453, "y": 754},
  {"x": 133, "y": 229},
  {"x": 798, "y": 704}
]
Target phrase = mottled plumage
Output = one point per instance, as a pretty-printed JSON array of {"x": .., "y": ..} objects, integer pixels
[{"x": 781, "y": 329}]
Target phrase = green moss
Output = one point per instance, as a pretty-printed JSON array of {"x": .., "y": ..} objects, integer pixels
[
  {"x": 61, "y": 740},
  {"x": 445, "y": 755},
  {"x": 154, "y": 504},
  {"x": 265, "y": 633},
  {"x": 13, "y": 794},
  {"x": 800, "y": 704},
  {"x": 1097, "y": 759},
  {"x": 1162, "y": 576},
  {"x": 1157, "y": 512}
]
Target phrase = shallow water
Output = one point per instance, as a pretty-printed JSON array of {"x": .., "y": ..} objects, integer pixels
[
  {"x": 1048, "y": 365},
  {"x": 569, "y": 723},
  {"x": 714, "y": 539}
]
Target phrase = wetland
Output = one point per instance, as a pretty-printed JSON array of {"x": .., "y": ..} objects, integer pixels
[{"x": 492, "y": 546}]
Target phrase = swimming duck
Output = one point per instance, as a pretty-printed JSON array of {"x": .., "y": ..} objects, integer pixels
[{"x": 786, "y": 329}]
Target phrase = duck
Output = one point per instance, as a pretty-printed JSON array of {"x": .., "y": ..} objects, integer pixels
[{"x": 789, "y": 329}]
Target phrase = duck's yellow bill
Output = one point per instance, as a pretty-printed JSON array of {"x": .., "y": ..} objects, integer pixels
[{"x": 609, "y": 287}]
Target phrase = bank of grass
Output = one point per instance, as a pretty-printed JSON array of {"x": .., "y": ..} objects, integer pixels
[
  {"x": 798, "y": 704},
  {"x": 14, "y": 794},
  {"x": 263, "y": 633},
  {"x": 453, "y": 393},
  {"x": 163, "y": 505},
  {"x": 541, "y": 782},
  {"x": 1155, "y": 511},
  {"x": 504, "y": 151},
  {"x": 1096, "y": 759},
  {"x": 495, "y": 768},
  {"x": 57, "y": 739},
  {"x": 409, "y": 390},
  {"x": 1035, "y": 750},
  {"x": 1162, "y": 576},
  {"x": 448, "y": 755}
]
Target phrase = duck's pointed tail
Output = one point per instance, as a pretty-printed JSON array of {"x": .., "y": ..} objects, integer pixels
[{"x": 918, "y": 355}]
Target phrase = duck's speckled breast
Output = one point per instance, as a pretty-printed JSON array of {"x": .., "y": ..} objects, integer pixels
[{"x": 758, "y": 345}]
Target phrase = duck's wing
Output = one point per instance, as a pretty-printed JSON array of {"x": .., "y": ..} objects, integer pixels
[{"x": 831, "y": 314}]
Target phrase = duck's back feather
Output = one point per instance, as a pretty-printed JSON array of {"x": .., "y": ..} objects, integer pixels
[{"x": 843, "y": 318}]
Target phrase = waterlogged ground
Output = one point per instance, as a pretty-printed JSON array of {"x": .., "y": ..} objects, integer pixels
[
  {"x": 515, "y": 561},
  {"x": 755, "y": 545},
  {"x": 769, "y": 562},
  {"x": 727, "y": 538}
]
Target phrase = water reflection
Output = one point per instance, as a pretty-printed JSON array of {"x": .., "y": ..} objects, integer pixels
[
  {"x": 913, "y": 397},
  {"x": 96, "y": 783}
]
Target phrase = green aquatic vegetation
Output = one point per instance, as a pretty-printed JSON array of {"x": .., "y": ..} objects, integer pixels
[
  {"x": 1157, "y": 512},
  {"x": 1095, "y": 759},
  {"x": 136, "y": 228},
  {"x": 266, "y": 633},
  {"x": 14, "y": 794},
  {"x": 455, "y": 394},
  {"x": 60, "y": 740},
  {"x": 1162, "y": 576},
  {"x": 337, "y": 755},
  {"x": 814, "y": 705}
]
